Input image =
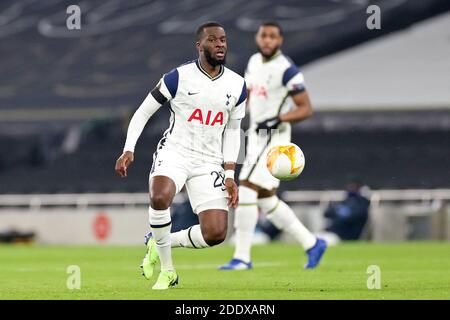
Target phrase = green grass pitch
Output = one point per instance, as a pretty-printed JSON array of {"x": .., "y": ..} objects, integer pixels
[{"x": 415, "y": 270}]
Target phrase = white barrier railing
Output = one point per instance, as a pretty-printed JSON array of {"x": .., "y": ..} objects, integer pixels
[
  {"x": 381, "y": 195},
  {"x": 392, "y": 212},
  {"x": 79, "y": 200},
  {"x": 133, "y": 199}
]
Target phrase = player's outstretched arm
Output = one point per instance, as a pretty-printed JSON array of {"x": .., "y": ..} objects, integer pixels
[
  {"x": 294, "y": 82},
  {"x": 302, "y": 111},
  {"x": 231, "y": 146},
  {"x": 148, "y": 107}
]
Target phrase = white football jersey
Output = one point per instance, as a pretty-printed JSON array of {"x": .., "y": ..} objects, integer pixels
[
  {"x": 271, "y": 82},
  {"x": 200, "y": 109}
]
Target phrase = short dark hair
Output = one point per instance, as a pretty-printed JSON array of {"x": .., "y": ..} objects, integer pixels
[
  {"x": 201, "y": 28},
  {"x": 272, "y": 24}
]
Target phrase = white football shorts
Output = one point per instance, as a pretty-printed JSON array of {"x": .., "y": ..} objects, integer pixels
[
  {"x": 204, "y": 181},
  {"x": 254, "y": 168}
]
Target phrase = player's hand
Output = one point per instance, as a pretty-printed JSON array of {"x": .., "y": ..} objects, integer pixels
[
  {"x": 232, "y": 189},
  {"x": 269, "y": 124},
  {"x": 123, "y": 162}
]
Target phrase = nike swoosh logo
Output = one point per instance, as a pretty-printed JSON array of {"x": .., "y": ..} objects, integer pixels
[{"x": 192, "y": 93}]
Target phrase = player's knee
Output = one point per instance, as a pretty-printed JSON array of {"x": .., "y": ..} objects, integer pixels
[
  {"x": 268, "y": 204},
  {"x": 215, "y": 235},
  {"x": 160, "y": 201}
]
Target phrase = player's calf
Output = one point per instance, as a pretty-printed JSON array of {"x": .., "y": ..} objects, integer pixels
[
  {"x": 198, "y": 237},
  {"x": 211, "y": 231},
  {"x": 214, "y": 235}
]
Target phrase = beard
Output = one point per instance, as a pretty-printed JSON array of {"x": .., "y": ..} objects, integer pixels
[
  {"x": 213, "y": 61},
  {"x": 271, "y": 54}
]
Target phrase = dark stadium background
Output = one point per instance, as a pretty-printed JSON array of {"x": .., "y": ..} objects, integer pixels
[{"x": 66, "y": 97}]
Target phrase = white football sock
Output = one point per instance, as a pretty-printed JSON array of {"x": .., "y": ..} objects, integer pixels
[
  {"x": 245, "y": 220},
  {"x": 189, "y": 238},
  {"x": 160, "y": 224},
  {"x": 282, "y": 216}
]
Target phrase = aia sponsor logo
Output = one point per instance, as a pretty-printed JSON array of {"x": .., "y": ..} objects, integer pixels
[
  {"x": 259, "y": 91},
  {"x": 207, "y": 117}
]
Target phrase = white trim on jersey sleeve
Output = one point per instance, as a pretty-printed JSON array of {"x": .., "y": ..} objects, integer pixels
[
  {"x": 296, "y": 83},
  {"x": 163, "y": 89},
  {"x": 238, "y": 111},
  {"x": 168, "y": 85}
]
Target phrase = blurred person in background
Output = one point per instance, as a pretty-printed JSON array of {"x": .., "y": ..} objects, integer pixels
[
  {"x": 277, "y": 97},
  {"x": 347, "y": 219}
]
